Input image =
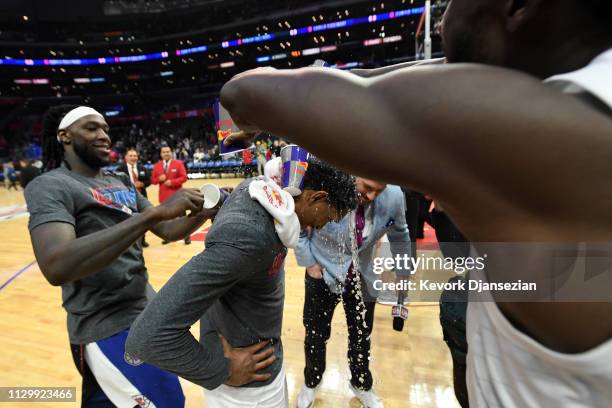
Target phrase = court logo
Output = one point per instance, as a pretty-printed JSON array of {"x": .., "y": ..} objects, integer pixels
[
  {"x": 141, "y": 401},
  {"x": 12, "y": 212},
  {"x": 133, "y": 361}
]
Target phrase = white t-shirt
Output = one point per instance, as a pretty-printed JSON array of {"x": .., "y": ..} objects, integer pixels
[
  {"x": 595, "y": 78},
  {"x": 509, "y": 369}
]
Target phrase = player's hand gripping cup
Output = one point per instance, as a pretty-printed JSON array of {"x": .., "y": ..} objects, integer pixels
[{"x": 213, "y": 196}]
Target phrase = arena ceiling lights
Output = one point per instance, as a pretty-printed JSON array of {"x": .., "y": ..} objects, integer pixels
[
  {"x": 329, "y": 48},
  {"x": 371, "y": 19}
]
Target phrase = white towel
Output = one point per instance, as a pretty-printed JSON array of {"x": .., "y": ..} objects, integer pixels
[
  {"x": 281, "y": 207},
  {"x": 274, "y": 170}
]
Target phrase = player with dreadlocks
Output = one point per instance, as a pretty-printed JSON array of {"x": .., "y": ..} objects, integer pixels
[
  {"x": 86, "y": 224},
  {"x": 53, "y": 150}
]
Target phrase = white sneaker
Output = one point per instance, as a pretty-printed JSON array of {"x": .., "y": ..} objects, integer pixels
[
  {"x": 368, "y": 399},
  {"x": 306, "y": 396}
]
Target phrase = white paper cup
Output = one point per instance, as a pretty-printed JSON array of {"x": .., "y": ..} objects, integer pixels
[{"x": 213, "y": 196}]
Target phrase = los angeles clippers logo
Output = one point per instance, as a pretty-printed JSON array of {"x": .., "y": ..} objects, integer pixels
[
  {"x": 117, "y": 198},
  {"x": 141, "y": 401},
  {"x": 133, "y": 361},
  {"x": 278, "y": 262}
]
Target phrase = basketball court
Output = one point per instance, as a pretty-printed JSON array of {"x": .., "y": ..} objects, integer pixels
[{"x": 411, "y": 368}]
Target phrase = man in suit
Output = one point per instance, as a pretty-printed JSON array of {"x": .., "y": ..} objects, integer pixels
[
  {"x": 139, "y": 176},
  {"x": 331, "y": 277},
  {"x": 170, "y": 175}
]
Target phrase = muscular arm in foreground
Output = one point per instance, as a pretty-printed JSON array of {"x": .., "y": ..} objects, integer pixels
[{"x": 499, "y": 134}]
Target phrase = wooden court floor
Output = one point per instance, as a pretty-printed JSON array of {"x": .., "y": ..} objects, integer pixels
[{"x": 410, "y": 368}]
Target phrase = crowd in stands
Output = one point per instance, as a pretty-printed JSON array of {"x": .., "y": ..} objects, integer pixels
[
  {"x": 19, "y": 173},
  {"x": 193, "y": 140}
]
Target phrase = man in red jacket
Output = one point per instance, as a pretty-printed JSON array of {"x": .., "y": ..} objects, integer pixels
[{"x": 170, "y": 175}]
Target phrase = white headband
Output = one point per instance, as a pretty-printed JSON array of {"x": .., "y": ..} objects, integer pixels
[{"x": 76, "y": 114}]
